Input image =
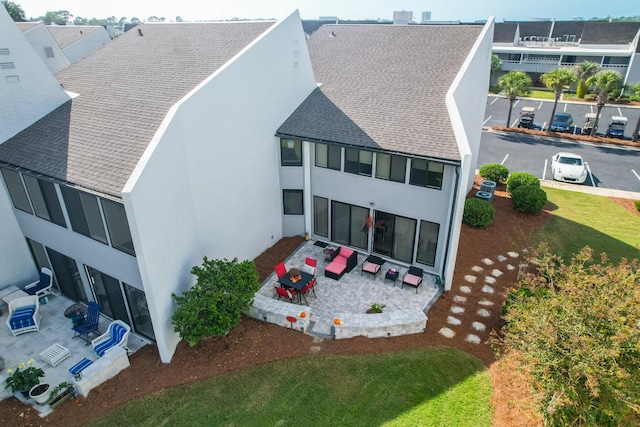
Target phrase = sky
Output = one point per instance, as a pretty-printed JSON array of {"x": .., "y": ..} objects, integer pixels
[{"x": 449, "y": 10}]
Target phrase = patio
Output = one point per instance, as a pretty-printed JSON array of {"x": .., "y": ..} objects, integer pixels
[
  {"x": 348, "y": 298},
  {"x": 54, "y": 328}
]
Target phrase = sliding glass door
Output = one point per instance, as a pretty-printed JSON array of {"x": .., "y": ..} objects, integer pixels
[
  {"x": 348, "y": 224},
  {"x": 108, "y": 294},
  {"x": 394, "y": 236}
]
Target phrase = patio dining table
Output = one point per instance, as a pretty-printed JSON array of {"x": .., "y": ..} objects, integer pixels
[{"x": 305, "y": 279}]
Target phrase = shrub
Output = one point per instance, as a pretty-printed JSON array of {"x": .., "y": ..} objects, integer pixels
[
  {"x": 638, "y": 205},
  {"x": 494, "y": 172},
  {"x": 478, "y": 213},
  {"x": 528, "y": 198},
  {"x": 517, "y": 179}
]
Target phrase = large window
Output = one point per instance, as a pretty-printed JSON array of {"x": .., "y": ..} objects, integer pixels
[
  {"x": 39, "y": 254},
  {"x": 45, "y": 199},
  {"x": 428, "y": 243},
  {"x": 348, "y": 224},
  {"x": 328, "y": 156},
  {"x": 139, "y": 311},
  {"x": 108, "y": 294},
  {"x": 84, "y": 214},
  {"x": 292, "y": 200},
  {"x": 291, "y": 152},
  {"x": 358, "y": 161},
  {"x": 16, "y": 190},
  {"x": 118, "y": 226},
  {"x": 321, "y": 216},
  {"x": 68, "y": 276},
  {"x": 391, "y": 167},
  {"x": 426, "y": 174},
  {"x": 394, "y": 236}
]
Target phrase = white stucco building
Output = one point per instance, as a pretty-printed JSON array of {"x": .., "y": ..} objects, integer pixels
[{"x": 218, "y": 139}]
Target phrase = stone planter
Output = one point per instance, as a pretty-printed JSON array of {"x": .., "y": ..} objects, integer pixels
[
  {"x": 65, "y": 395},
  {"x": 40, "y": 393}
]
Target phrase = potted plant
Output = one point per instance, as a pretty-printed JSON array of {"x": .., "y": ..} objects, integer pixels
[
  {"x": 375, "y": 308},
  {"x": 60, "y": 393},
  {"x": 40, "y": 393},
  {"x": 23, "y": 378}
]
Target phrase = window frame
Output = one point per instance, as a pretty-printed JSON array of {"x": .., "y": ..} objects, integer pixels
[
  {"x": 330, "y": 152},
  {"x": 393, "y": 166},
  {"x": 17, "y": 190},
  {"x": 426, "y": 177},
  {"x": 359, "y": 166},
  {"x": 285, "y": 152},
  {"x": 286, "y": 209},
  {"x": 117, "y": 226}
]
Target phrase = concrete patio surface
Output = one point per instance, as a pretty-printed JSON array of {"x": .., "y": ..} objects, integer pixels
[
  {"x": 354, "y": 292},
  {"x": 54, "y": 328}
]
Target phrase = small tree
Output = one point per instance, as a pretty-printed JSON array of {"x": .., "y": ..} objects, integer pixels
[
  {"x": 604, "y": 83},
  {"x": 583, "y": 72},
  {"x": 557, "y": 79},
  {"x": 576, "y": 328},
  {"x": 514, "y": 84},
  {"x": 496, "y": 65},
  {"x": 223, "y": 290},
  {"x": 15, "y": 11}
]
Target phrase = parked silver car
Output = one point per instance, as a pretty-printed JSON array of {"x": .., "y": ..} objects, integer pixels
[{"x": 568, "y": 167}]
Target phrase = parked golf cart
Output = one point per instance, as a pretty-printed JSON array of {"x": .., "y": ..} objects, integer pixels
[
  {"x": 526, "y": 117},
  {"x": 589, "y": 121},
  {"x": 616, "y": 127}
]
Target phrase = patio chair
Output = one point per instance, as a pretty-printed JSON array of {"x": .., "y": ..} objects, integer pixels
[
  {"x": 23, "y": 315},
  {"x": 312, "y": 285},
  {"x": 413, "y": 277},
  {"x": 41, "y": 287},
  {"x": 90, "y": 325},
  {"x": 310, "y": 265},
  {"x": 281, "y": 270},
  {"x": 116, "y": 336},
  {"x": 286, "y": 293},
  {"x": 372, "y": 265}
]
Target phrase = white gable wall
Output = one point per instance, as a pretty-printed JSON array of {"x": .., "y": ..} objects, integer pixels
[
  {"x": 208, "y": 183},
  {"x": 29, "y": 91},
  {"x": 466, "y": 101},
  {"x": 40, "y": 39},
  {"x": 87, "y": 44}
]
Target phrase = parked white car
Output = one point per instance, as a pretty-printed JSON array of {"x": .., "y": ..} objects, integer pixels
[{"x": 568, "y": 167}]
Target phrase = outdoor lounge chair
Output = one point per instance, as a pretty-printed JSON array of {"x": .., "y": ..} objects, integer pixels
[
  {"x": 372, "y": 265},
  {"x": 23, "y": 315},
  {"x": 413, "y": 277},
  {"x": 343, "y": 261},
  {"x": 90, "y": 325},
  {"x": 116, "y": 336},
  {"x": 43, "y": 286}
]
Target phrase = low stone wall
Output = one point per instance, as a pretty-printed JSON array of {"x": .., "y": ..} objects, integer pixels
[
  {"x": 276, "y": 311},
  {"x": 106, "y": 367},
  {"x": 376, "y": 325}
]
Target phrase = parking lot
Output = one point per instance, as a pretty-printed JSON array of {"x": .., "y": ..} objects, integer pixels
[{"x": 497, "y": 110}]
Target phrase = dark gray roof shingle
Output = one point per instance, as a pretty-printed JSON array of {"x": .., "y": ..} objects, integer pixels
[
  {"x": 609, "y": 32},
  {"x": 504, "y": 32},
  {"x": 383, "y": 87},
  {"x": 126, "y": 89}
]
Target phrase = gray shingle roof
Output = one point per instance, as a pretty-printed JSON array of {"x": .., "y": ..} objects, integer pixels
[
  {"x": 126, "y": 89},
  {"x": 504, "y": 32},
  {"x": 66, "y": 35},
  {"x": 383, "y": 87},
  {"x": 609, "y": 32}
]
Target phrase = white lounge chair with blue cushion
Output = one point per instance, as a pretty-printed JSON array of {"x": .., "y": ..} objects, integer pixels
[
  {"x": 23, "y": 315},
  {"x": 43, "y": 286},
  {"x": 117, "y": 335}
]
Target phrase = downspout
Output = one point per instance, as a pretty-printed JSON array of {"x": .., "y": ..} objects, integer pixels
[{"x": 451, "y": 215}]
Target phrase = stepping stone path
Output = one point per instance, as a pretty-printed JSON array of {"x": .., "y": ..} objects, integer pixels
[
  {"x": 453, "y": 320},
  {"x": 486, "y": 308},
  {"x": 447, "y": 332}
]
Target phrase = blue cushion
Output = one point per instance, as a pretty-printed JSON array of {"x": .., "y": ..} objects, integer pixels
[
  {"x": 25, "y": 310},
  {"x": 44, "y": 282},
  {"x": 21, "y": 321},
  {"x": 80, "y": 366},
  {"x": 102, "y": 348}
]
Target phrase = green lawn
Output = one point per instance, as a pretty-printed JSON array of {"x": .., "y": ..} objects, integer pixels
[
  {"x": 582, "y": 219},
  {"x": 420, "y": 387},
  {"x": 542, "y": 94}
]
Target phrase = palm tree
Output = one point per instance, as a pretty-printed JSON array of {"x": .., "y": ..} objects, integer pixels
[
  {"x": 636, "y": 92},
  {"x": 514, "y": 84},
  {"x": 583, "y": 71},
  {"x": 603, "y": 82},
  {"x": 496, "y": 65},
  {"x": 557, "y": 79}
]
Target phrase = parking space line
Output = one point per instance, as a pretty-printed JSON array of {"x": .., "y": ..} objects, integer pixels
[
  {"x": 540, "y": 106},
  {"x": 619, "y": 111},
  {"x": 488, "y": 118},
  {"x": 543, "y": 125},
  {"x": 593, "y": 183},
  {"x": 505, "y": 159},
  {"x": 494, "y": 100},
  {"x": 591, "y": 108},
  {"x": 516, "y": 103},
  {"x": 544, "y": 171},
  {"x": 565, "y": 107},
  {"x": 634, "y": 172},
  {"x": 514, "y": 123}
]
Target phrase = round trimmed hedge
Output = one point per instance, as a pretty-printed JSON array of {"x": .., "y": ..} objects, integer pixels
[
  {"x": 494, "y": 172},
  {"x": 517, "y": 179},
  {"x": 528, "y": 198},
  {"x": 478, "y": 213},
  {"x": 638, "y": 205}
]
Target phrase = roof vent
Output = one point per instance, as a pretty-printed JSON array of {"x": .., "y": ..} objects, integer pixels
[
  {"x": 140, "y": 32},
  {"x": 333, "y": 34}
]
